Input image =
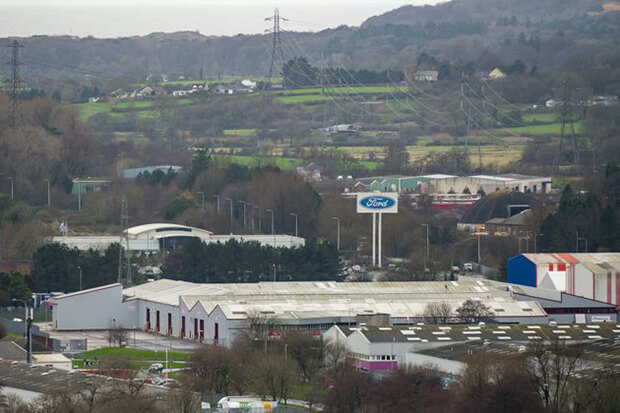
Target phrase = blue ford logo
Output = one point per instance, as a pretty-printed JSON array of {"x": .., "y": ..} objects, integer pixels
[{"x": 377, "y": 202}]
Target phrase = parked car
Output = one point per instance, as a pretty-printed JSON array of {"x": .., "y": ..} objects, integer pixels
[
  {"x": 156, "y": 368},
  {"x": 468, "y": 266}
]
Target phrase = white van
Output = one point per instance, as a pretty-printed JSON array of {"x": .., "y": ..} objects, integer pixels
[{"x": 245, "y": 404}]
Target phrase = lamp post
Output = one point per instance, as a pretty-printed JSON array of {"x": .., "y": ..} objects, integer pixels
[
  {"x": 120, "y": 163},
  {"x": 11, "y": 179},
  {"x": 80, "y": 271},
  {"x": 202, "y": 195},
  {"x": 217, "y": 199},
  {"x": 536, "y": 236},
  {"x": 478, "y": 234},
  {"x": 49, "y": 198},
  {"x": 243, "y": 202},
  {"x": 273, "y": 231},
  {"x": 294, "y": 215},
  {"x": 259, "y": 218},
  {"x": 337, "y": 232},
  {"x": 231, "y": 214},
  {"x": 272, "y": 221},
  {"x": 426, "y": 255}
]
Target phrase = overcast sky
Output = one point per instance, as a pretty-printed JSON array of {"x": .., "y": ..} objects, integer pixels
[{"x": 112, "y": 18}]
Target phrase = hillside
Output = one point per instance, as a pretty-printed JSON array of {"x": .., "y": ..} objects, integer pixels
[{"x": 549, "y": 34}]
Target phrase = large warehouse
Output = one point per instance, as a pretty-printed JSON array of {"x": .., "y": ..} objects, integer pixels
[
  {"x": 595, "y": 276},
  {"x": 165, "y": 236},
  {"x": 216, "y": 313}
]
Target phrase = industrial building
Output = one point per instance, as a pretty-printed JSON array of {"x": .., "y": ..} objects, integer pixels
[
  {"x": 152, "y": 238},
  {"x": 381, "y": 348},
  {"x": 595, "y": 276},
  {"x": 217, "y": 313}
]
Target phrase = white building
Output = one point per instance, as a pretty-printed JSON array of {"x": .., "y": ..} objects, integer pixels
[
  {"x": 217, "y": 313},
  {"x": 491, "y": 183},
  {"x": 165, "y": 236}
]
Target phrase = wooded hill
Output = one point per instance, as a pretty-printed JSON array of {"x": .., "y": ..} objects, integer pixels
[{"x": 547, "y": 34}]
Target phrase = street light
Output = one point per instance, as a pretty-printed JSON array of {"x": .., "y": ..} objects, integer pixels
[
  {"x": 260, "y": 227},
  {"x": 11, "y": 179},
  {"x": 243, "y": 202},
  {"x": 337, "y": 232},
  {"x": 231, "y": 214},
  {"x": 120, "y": 169},
  {"x": 294, "y": 215},
  {"x": 426, "y": 255},
  {"x": 273, "y": 232},
  {"x": 49, "y": 198},
  {"x": 202, "y": 195},
  {"x": 80, "y": 270},
  {"x": 217, "y": 200}
]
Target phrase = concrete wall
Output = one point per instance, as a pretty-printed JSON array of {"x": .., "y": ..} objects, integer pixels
[
  {"x": 584, "y": 281},
  {"x": 96, "y": 309}
]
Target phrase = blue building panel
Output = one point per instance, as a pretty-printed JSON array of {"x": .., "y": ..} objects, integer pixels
[{"x": 521, "y": 271}]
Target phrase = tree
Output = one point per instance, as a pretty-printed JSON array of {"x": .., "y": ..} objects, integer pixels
[
  {"x": 473, "y": 311},
  {"x": 438, "y": 312},
  {"x": 554, "y": 365},
  {"x": 272, "y": 376}
]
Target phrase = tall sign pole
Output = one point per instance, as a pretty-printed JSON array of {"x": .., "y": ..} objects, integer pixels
[{"x": 377, "y": 204}]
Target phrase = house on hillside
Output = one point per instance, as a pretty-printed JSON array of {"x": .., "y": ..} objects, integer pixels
[
  {"x": 496, "y": 73},
  {"x": 310, "y": 172},
  {"x": 426, "y": 76}
]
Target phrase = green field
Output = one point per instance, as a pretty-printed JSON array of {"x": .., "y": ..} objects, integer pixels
[
  {"x": 341, "y": 90},
  {"x": 539, "y": 117},
  {"x": 303, "y": 99},
  {"x": 86, "y": 110},
  {"x": 541, "y": 130},
  {"x": 282, "y": 162},
  {"x": 239, "y": 132},
  {"x": 134, "y": 354}
]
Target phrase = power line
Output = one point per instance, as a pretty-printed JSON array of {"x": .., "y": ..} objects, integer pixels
[
  {"x": 15, "y": 81},
  {"x": 276, "y": 42}
]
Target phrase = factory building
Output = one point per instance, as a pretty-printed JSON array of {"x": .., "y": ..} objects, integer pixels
[
  {"x": 217, "y": 313},
  {"x": 595, "y": 276},
  {"x": 151, "y": 238}
]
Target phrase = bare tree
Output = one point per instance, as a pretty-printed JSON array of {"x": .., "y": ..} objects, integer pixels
[
  {"x": 473, "y": 311},
  {"x": 438, "y": 312},
  {"x": 554, "y": 365}
]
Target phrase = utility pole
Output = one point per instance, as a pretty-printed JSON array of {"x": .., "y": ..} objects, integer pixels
[
  {"x": 243, "y": 203},
  {"x": 295, "y": 215},
  {"x": 276, "y": 42},
  {"x": 217, "y": 199},
  {"x": 426, "y": 255},
  {"x": 231, "y": 214},
  {"x": 11, "y": 179},
  {"x": 124, "y": 262},
  {"x": 202, "y": 196},
  {"x": 337, "y": 232},
  {"x": 15, "y": 82},
  {"x": 566, "y": 116},
  {"x": 49, "y": 197}
]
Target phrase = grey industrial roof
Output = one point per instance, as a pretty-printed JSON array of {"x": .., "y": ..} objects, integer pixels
[
  {"x": 329, "y": 299},
  {"x": 489, "y": 332}
]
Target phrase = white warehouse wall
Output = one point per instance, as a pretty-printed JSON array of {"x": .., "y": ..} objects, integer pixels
[{"x": 95, "y": 309}]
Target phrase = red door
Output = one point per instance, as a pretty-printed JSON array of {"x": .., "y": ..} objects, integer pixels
[
  {"x": 148, "y": 319},
  {"x": 182, "y": 326},
  {"x": 195, "y": 328},
  {"x": 169, "y": 323},
  {"x": 216, "y": 334},
  {"x": 202, "y": 330},
  {"x": 157, "y": 321}
]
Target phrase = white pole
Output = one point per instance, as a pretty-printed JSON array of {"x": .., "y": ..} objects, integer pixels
[
  {"x": 380, "y": 237},
  {"x": 374, "y": 238}
]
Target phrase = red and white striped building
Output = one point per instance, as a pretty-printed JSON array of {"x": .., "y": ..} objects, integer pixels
[{"x": 591, "y": 275}]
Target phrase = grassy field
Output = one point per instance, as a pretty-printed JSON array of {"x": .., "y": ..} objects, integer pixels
[
  {"x": 256, "y": 161},
  {"x": 302, "y": 99},
  {"x": 239, "y": 132},
  {"x": 87, "y": 110},
  {"x": 134, "y": 354},
  {"x": 341, "y": 90},
  {"x": 541, "y": 130},
  {"x": 539, "y": 117}
]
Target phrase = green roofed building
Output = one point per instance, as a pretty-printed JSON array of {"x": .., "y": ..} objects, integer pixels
[
  {"x": 132, "y": 173},
  {"x": 88, "y": 185},
  {"x": 395, "y": 183}
]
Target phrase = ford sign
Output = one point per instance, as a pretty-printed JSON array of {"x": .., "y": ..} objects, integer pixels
[{"x": 377, "y": 203}]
